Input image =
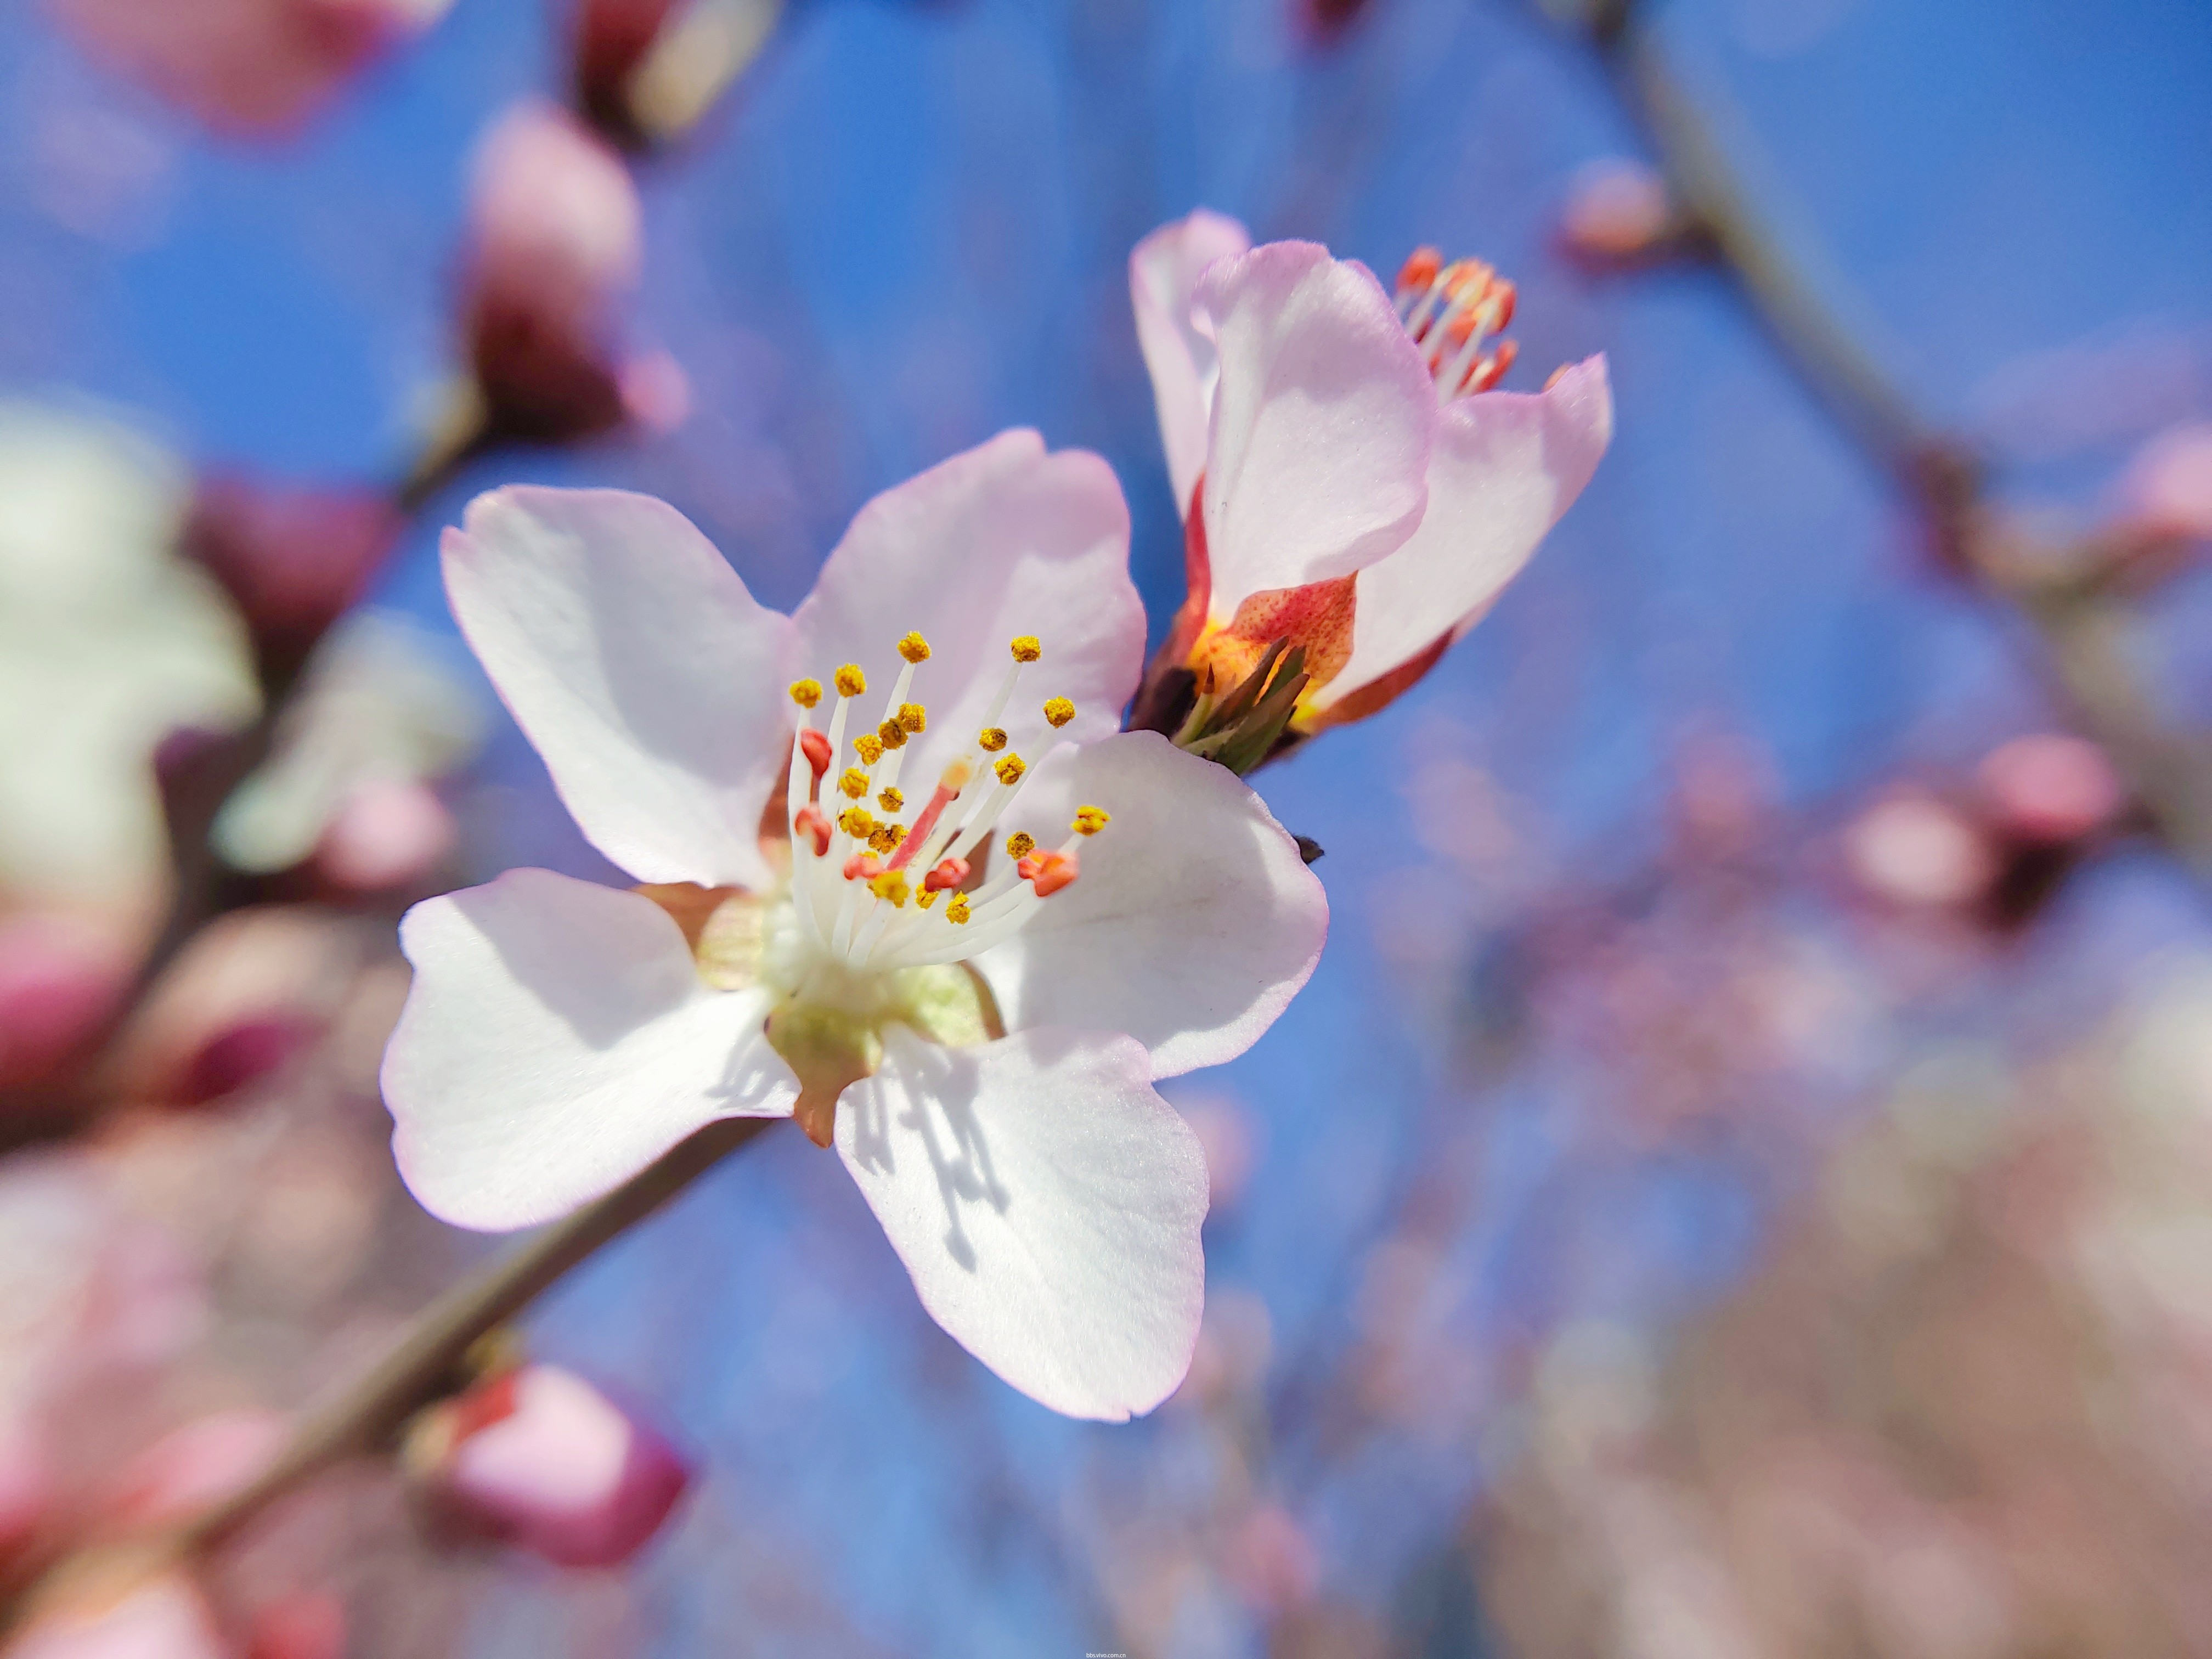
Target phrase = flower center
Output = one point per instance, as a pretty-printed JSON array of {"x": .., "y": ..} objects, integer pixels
[
  {"x": 885, "y": 906},
  {"x": 1454, "y": 313}
]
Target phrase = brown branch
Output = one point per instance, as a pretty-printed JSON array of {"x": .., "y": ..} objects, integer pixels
[
  {"x": 2082, "y": 630},
  {"x": 428, "y": 1362}
]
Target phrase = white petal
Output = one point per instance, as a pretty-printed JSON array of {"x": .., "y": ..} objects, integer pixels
[
  {"x": 1320, "y": 422},
  {"x": 1163, "y": 272},
  {"x": 1193, "y": 923},
  {"x": 1000, "y": 541},
  {"x": 556, "y": 1041},
  {"x": 1048, "y": 1204},
  {"x": 634, "y": 659},
  {"x": 1506, "y": 466}
]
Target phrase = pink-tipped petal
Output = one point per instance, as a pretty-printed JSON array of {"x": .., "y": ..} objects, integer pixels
[
  {"x": 1322, "y": 422},
  {"x": 1195, "y": 923},
  {"x": 1506, "y": 466},
  {"x": 636, "y": 662},
  {"x": 1048, "y": 1204},
  {"x": 1163, "y": 272},
  {"x": 1003, "y": 540},
  {"x": 557, "y": 1040}
]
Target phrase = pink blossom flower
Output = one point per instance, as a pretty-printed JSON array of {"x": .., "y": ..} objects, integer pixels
[
  {"x": 977, "y": 1029},
  {"x": 291, "y": 559},
  {"x": 1616, "y": 210},
  {"x": 194, "y": 1468},
  {"x": 538, "y": 1458},
  {"x": 252, "y": 68},
  {"x": 1348, "y": 482},
  {"x": 557, "y": 240}
]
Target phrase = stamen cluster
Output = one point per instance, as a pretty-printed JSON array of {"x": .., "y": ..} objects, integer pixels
[
  {"x": 854, "y": 884},
  {"x": 1452, "y": 311}
]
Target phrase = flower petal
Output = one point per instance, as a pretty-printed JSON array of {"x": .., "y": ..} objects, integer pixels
[
  {"x": 1322, "y": 422},
  {"x": 1163, "y": 272},
  {"x": 1193, "y": 924},
  {"x": 636, "y": 662},
  {"x": 556, "y": 1041},
  {"x": 1506, "y": 466},
  {"x": 1048, "y": 1204},
  {"x": 1001, "y": 541}
]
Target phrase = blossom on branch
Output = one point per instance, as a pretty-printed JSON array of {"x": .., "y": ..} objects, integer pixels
[
  {"x": 959, "y": 927},
  {"x": 557, "y": 241},
  {"x": 1350, "y": 487}
]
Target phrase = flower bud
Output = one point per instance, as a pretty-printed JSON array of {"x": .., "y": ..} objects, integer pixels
[
  {"x": 1617, "y": 211},
  {"x": 538, "y": 1458},
  {"x": 386, "y": 835},
  {"x": 557, "y": 240},
  {"x": 249, "y": 71},
  {"x": 309, "y": 1625},
  {"x": 293, "y": 560},
  {"x": 2050, "y": 790}
]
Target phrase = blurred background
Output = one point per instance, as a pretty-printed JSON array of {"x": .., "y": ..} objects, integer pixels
[{"x": 1740, "y": 1182}]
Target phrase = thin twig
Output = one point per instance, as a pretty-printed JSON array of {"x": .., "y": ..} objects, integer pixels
[{"x": 2081, "y": 630}]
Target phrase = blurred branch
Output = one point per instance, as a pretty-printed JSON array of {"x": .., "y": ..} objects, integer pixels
[
  {"x": 430, "y": 1361},
  {"x": 2081, "y": 628}
]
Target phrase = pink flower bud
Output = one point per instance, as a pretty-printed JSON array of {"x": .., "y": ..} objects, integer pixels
[
  {"x": 1915, "y": 851},
  {"x": 2166, "y": 490},
  {"x": 195, "y": 1467},
  {"x": 59, "y": 979},
  {"x": 2052, "y": 789},
  {"x": 245, "y": 68},
  {"x": 1616, "y": 210},
  {"x": 386, "y": 835},
  {"x": 292, "y": 559},
  {"x": 557, "y": 240},
  {"x": 538, "y": 1458},
  {"x": 163, "y": 1618},
  {"x": 27, "y": 1485}
]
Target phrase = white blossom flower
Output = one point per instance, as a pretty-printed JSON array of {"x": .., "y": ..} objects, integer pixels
[
  {"x": 982, "y": 924},
  {"x": 1350, "y": 483}
]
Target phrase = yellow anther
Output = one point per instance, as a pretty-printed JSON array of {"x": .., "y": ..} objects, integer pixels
[
  {"x": 1020, "y": 844},
  {"x": 1059, "y": 710},
  {"x": 912, "y": 717},
  {"x": 924, "y": 899},
  {"x": 993, "y": 737},
  {"x": 851, "y": 682},
  {"x": 915, "y": 648},
  {"x": 886, "y": 838},
  {"x": 807, "y": 693},
  {"x": 891, "y": 885},
  {"x": 857, "y": 822},
  {"x": 871, "y": 747},
  {"x": 958, "y": 910},
  {"x": 891, "y": 801},
  {"x": 1010, "y": 770},
  {"x": 1090, "y": 820},
  {"x": 1026, "y": 648},
  {"x": 892, "y": 734},
  {"x": 854, "y": 782}
]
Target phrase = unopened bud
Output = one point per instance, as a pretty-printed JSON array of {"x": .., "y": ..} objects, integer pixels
[{"x": 539, "y": 1459}]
